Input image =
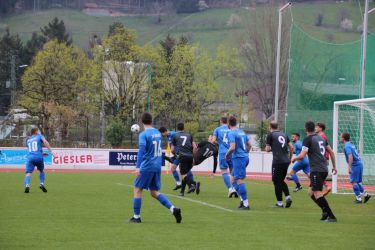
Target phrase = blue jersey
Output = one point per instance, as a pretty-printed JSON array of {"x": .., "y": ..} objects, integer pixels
[
  {"x": 149, "y": 154},
  {"x": 170, "y": 136},
  {"x": 240, "y": 138},
  {"x": 349, "y": 149},
  {"x": 297, "y": 147},
  {"x": 35, "y": 146},
  {"x": 221, "y": 134}
]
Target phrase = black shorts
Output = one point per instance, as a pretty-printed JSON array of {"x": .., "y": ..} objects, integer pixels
[
  {"x": 317, "y": 180},
  {"x": 186, "y": 163},
  {"x": 279, "y": 171}
]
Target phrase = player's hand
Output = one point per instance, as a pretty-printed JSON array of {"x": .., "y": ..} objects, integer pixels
[
  {"x": 54, "y": 154},
  {"x": 334, "y": 171},
  {"x": 45, "y": 154},
  {"x": 137, "y": 172},
  {"x": 349, "y": 170},
  {"x": 293, "y": 160}
]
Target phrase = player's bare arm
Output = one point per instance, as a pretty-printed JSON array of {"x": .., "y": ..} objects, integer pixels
[
  {"x": 268, "y": 148},
  {"x": 47, "y": 145},
  {"x": 350, "y": 162},
  {"x": 300, "y": 156},
  {"x": 333, "y": 159},
  {"x": 232, "y": 147},
  {"x": 291, "y": 150},
  {"x": 248, "y": 146}
]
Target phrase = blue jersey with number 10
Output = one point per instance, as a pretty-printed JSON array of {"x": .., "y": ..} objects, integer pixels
[
  {"x": 150, "y": 144},
  {"x": 221, "y": 134},
  {"x": 35, "y": 146},
  {"x": 240, "y": 138}
]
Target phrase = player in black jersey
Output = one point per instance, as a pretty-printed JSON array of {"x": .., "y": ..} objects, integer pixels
[
  {"x": 205, "y": 150},
  {"x": 282, "y": 151},
  {"x": 315, "y": 147},
  {"x": 183, "y": 147}
]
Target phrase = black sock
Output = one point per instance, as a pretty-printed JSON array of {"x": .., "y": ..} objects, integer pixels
[
  {"x": 324, "y": 204},
  {"x": 183, "y": 185},
  {"x": 298, "y": 184},
  {"x": 285, "y": 188},
  {"x": 313, "y": 198}
]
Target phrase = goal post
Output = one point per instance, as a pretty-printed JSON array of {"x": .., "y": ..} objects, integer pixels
[{"x": 356, "y": 117}]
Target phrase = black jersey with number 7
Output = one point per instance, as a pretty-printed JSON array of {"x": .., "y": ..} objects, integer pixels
[{"x": 183, "y": 144}]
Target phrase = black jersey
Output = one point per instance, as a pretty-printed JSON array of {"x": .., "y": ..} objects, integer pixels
[
  {"x": 183, "y": 144},
  {"x": 205, "y": 150},
  {"x": 278, "y": 141},
  {"x": 316, "y": 148}
]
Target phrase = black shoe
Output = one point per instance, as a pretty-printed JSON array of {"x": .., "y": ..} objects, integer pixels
[
  {"x": 241, "y": 205},
  {"x": 244, "y": 208},
  {"x": 134, "y": 220},
  {"x": 357, "y": 201},
  {"x": 297, "y": 188},
  {"x": 278, "y": 206},
  {"x": 288, "y": 203},
  {"x": 191, "y": 189},
  {"x": 43, "y": 188},
  {"x": 177, "y": 215},
  {"x": 367, "y": 197},
  {"x": 324, "y": 216},
  {"x": 329, "y": 219},
  {"x": 181, "y": 194},
  {"x": 177, "y": 187},
  {"x": 232, "y": 193},
  {"x": 198, "y": 188},
  {"x": 27, "y": 190}
]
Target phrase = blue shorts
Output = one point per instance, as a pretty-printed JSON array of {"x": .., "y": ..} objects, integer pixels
[
  {"x": 224, "y": 163},
  {"x": 31, "y": 163},
  {"x": 239, "y": 167},
  {"x": 302, "y": 165},
  {"x": 356, "y": 175},
  {"x": 148, "y": 180}
]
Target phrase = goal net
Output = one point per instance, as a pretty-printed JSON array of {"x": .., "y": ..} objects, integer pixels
[{"x": 356, "y": 117}]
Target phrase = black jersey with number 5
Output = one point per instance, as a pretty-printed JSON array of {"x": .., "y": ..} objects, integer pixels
[
  {"x": 183, "y": 144},
  {"x": 316, "y": 148},
  {"x": 278, "y": 141}
]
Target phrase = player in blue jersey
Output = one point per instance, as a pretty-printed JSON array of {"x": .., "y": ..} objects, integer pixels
[
  {"x": 239, "y": 147},
  {"x": 169, "y": 134},
  {"x": 148, "y": 170},
  {"x": 299, "y": 165},
  {"x": 355, "y": 169},
  {"x": 35, "y": 158},
  {"x": 220, "y": 135}
]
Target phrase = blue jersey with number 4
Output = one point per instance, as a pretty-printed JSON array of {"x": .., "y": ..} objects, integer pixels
[
  {"x": 35, "y": 146},
  {"x": 221, "y": 134},
  {"x": 149, "y": 155},
  {"x": 240, "y": 138},
  {"x": 349, "y": 149}
]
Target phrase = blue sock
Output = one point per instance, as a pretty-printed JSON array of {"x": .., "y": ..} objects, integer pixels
[
  {"x": 137, "y": 203},
  {"x": 235, "y": 185},
  {"x": 361, "y": 189},
  {"x": 42, "y": 177},
  {"x": 190, "y": 175},
  {"x": 27, "y": 181},
  {"x": 356, "y": 190},
  {"x": 164, "y": 201},
  {"x": 242, "y": 191},
  {"x": 176, "y": 176},
  {"x": 295, "y": 178},
  {"x": 226, "y": 180}
]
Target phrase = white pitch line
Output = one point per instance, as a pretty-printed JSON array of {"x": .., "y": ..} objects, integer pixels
[{"x": 189, "y": 199}]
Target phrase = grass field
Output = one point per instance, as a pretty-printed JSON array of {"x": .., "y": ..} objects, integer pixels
[{"x": 90, "y": 210}]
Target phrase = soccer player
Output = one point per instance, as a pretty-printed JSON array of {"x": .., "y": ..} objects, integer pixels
[
  {"x": 35, "y": 158},
  {"x": 355, "y": 169},
  {"x": 205, "y": 150},
  {"x": 220, "y": 135},
  {"x": 183, "y": 147},
  {"x": 239, "y": 147},
  {"x": 299, "y": 165},
  {"x": 319, "y": 129},
  {"x": 282, "y": 151},
  {"x": 176, "y": 176},
  {"x": 148, "y": 170},
  {"x": 315, "y": 147}
]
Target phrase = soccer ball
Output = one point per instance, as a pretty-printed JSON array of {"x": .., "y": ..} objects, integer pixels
[{"x": 135, "y": 128}]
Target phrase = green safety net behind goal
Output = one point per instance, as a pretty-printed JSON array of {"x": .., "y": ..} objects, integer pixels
[{"x": 321, "y": 73}]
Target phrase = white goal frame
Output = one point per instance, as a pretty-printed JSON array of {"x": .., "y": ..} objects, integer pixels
[{"x": 336, "y": 127}]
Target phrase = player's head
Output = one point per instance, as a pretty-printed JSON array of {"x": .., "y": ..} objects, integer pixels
[
  {"x": 163, "y": 131},
  {"x": 309, "y": 127},
  {"x": 224, "y": 120},
  {"x": 295, "y": 137},
  {"x": 35, "y": 131},
  {"x": 345, "y": 137},
  {"x": 232, "y": 121},
  {"x": 210, "y": 138},
  {"x": 146, "y": 118},
  {"x": 320, "y": 127},
  {"x": 180, "y": 126},
  {"x": 273, "y": 126}
]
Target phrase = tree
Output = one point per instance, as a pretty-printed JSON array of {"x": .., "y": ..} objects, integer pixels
[
  {"x": 168, "y": 45},
  {"x": 32, "y": 47},
  {"x": 56, "y": 30},
  {"x": 114, "y": 28},
  {"x": 7, "y": 6}
]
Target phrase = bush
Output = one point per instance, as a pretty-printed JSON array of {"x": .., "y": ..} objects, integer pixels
[
  {"x": 346, "y": 24},
  {"x": 115, "y": 132},
  {"x": 262, "y": 131},
  {"x": 319, "y": 20}
]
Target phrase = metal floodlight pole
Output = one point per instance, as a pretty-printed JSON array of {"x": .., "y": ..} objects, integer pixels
[
  {"x": 363, "y": 75},
  {"x": 278, "y": 60}
]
